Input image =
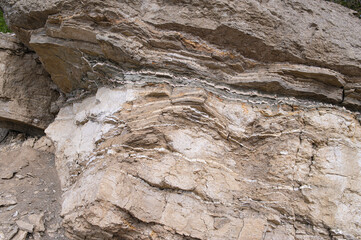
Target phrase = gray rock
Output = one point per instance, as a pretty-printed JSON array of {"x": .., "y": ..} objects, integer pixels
[{"x": 3, "y": 133}]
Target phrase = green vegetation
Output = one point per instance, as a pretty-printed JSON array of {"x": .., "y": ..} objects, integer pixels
[
  {"x": 353, "y": 4},
  {"x": 3, "y": 27}
]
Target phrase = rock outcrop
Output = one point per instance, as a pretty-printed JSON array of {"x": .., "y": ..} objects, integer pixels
[
  {"x": 27, "y": 95},
  {"x": 211, "y": 119},
  {"x": 183, "y": 162},
  {"x": 294, "y": 48}
]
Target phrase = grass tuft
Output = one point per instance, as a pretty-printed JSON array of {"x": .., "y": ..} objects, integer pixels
[{"x": 3, "y": 27}]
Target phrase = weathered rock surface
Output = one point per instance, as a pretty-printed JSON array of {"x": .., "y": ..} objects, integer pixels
[
  {"x": 292, "y": 48},
  {"x": 26, "y": 92},
  {"x": 30, "y": 198},
  {"x": 211, "y": 119},
  {"x": 177, "y": 162}
]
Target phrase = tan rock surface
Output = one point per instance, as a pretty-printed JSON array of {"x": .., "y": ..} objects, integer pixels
[
  {"x": 292, "y": 48},
  {"x": 26, "y": 92},
  {"x": 182, "y": 161},
  {"x": 196, "y": 119}
]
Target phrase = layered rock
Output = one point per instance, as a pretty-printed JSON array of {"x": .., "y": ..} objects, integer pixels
[
  {"x": 223, "y": 42},
  {"x": 27, "y": 95},
  {"x": 202, "y": 119},
  {"x": 166, "y": 162}
]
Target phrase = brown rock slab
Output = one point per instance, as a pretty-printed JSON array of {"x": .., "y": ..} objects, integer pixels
[
  {"x": 10, "y": 163},
  {"x": 26, "y": 90}
]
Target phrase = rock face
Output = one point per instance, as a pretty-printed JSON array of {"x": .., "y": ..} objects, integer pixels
[
  {"x": 290, "y": 48},
  {"x": 26, "y": 93},
  {"x": 178, "y": 162},
  {"x": 202, "y": 119}
]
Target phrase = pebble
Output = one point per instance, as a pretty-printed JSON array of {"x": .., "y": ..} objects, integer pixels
[
  {"x": 6, "y": 175},
  {"x": 19, "y": 176}
]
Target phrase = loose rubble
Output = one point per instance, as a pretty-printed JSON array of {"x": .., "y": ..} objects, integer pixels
[{"x": 30, "y": 191}]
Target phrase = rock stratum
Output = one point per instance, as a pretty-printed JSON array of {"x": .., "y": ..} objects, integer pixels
[
  {"x": 27, "y": 95},
  {"x": 211, "y": 119}
]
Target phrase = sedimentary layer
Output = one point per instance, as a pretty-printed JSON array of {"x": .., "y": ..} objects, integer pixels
[{"x": 200, "y": 119}]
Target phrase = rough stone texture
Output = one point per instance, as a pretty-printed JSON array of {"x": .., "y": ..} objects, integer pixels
[
  {"x": 26, "y": 92},
  {"x": 201, "y": 119},
  {"x": 30, "y": 195},
  {"x": 292, "y": 48},
  {"x": 25, "y": 226},
  {"x": 21, "y": 235},
  {"x": 3, "y": 133},
  {"x": 177, "y": 162}
]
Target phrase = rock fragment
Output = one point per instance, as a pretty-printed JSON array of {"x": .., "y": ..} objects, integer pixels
[
  {"x": 38, "y": 221},
  {"x": 21, "y": 235},
  {"x": 7, "y": 174},
  {"x": 253, "y": 229},
  {"x": 25, "y": 226},
  {"x": 8, "y": 200},
  {"x": 44, "y": 144},
  {"x": 13, "y": 231}
]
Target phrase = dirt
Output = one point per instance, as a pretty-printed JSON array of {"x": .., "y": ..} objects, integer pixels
[{"x": 29, "y": 189}]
